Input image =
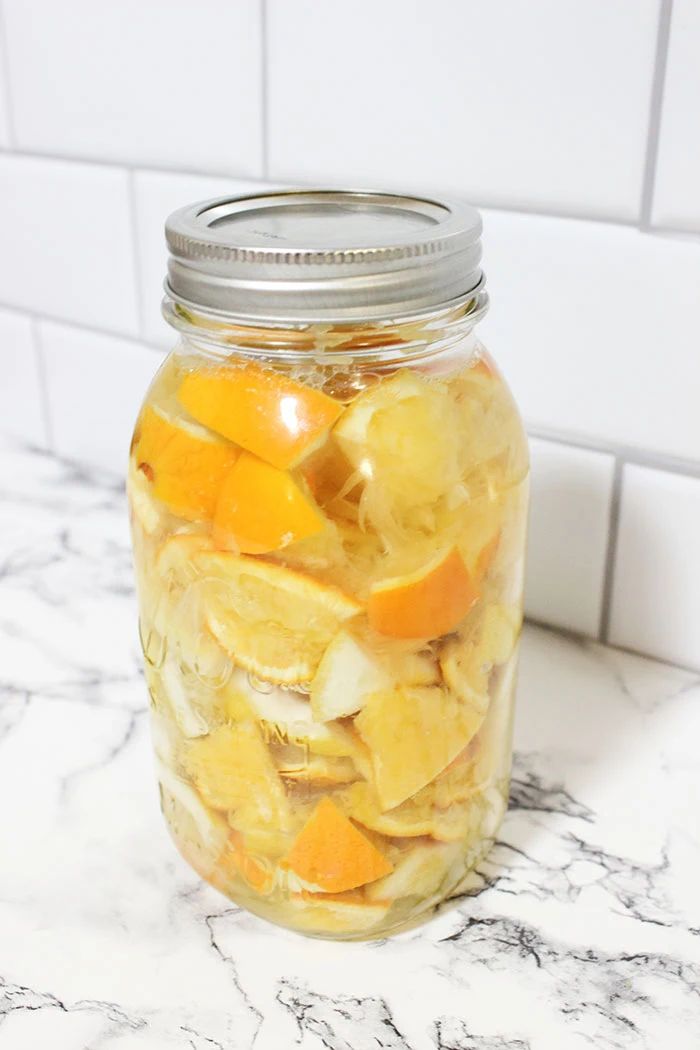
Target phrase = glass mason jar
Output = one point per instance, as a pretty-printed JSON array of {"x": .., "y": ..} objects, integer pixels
[{"x": 328, "y": 494}]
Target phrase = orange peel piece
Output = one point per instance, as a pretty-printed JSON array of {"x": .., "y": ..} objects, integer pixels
[
  {"x": 424, "y": 604},
  {"x": 269, "y": 414},
  {"x": 349, "y": 912},
  {"x": 466, "y": 662},
  {"x": 272, "y": 621},
  {"x": 232, "y": 770},
  {"x": 185, "y": 464},
  {"x": 413, "y": 733},
  {"x": 414, "y": 818},
  {"x": 332, "y": 855},
  {"x": 261, "y": 508}
]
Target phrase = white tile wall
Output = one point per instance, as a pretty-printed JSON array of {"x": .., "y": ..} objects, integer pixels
[
  {"x": 460, "y": 97},
  {"x": 107, "y": 111},
  {"x": 598, "y": 329},
  {"x": 677, "y": 196},
  {"x": 96, "y": 384},
  {"x": 656, "y": 597},
  {"x": 21, "y": 407},
  {"x": 162, "y": 82},
  {"x": 157, "y": 194},
  {"x": 66, "y": 246},
  {"x": 571, "y": 498}
]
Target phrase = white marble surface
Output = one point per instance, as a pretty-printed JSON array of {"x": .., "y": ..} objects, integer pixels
[{"x": 583, "y": 930}]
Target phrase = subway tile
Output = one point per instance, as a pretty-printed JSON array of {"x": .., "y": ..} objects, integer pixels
[
  {"x": 507, "y": 103},
  {"x": 656, "y": 597},
  {"x": 96, "y": 384},
  {"x": 163, "y": 83},
  {"x": 597, "y": 328},
  {"x": 66, "y": 248},
  {"x": 568, "y": 536},
  {"x": 156, "y": 195},
  {"x": 21, "y": 406},
  {"x": 677, "y": 193}
]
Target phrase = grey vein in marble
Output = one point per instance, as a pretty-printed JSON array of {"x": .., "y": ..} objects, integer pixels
[
  {"x": 342, "y": 1023},
  {"x": 452, "y": 1034}
]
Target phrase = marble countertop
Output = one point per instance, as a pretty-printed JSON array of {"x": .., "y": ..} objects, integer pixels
[{"x": 583, "y": 929}]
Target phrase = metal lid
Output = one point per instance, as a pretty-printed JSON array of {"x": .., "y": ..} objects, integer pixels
[{"x": 323, "y": 255}]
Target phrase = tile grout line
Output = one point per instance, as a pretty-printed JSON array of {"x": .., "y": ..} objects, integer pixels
[
  {"x": 579, "y": 637},
  {"x": 87, "y": 160},
  {"x": 136, "y": 260},
  {"x": 611, "y": 552},
  {"x": 552, "y": 213},
  {"x": 638, "y": 457},
  {"x": 264, "y": 111},
  {"x": 659, "y": 230},
  {"x": 5, "y": 64},
  {"x": 40, "y": 361},
  {"x": 655, "y": 111},
  {"x": 40, "y": 316},
  {"x": 489, "y": 205}
]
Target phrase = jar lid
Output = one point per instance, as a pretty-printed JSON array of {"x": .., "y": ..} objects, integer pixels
[{"x": 323, "y": 255}]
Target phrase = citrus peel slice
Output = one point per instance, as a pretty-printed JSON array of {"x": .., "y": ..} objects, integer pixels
[
  {"x": 232, "y": 770},
  {"x": 268, "y": 413},
  {"x": 345, "y": 676},
  {"x": 273, "y": 621},
  {"x": 185, "y": 463},
  {"x": 260, "y": 508},
  {"x": 413, "y": 734},
  {"x": 419, "y": 872},
  {"x": 414, "y": 818},
  {"x": 428, "y": 603},
  {"x": 332, "y": 855},
  {"x": 399, "y": 436},
  {"x": 285, "y": 721},
  {"x": 466, "y": 662},
  {"x": 337, "y": 912}
]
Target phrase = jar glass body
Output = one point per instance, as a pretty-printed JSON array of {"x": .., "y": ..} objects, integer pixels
[{"x": 329, "y": 527}]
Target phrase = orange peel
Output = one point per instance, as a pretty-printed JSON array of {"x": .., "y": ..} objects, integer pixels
[
  {"x": 330, "y": 854},
  {"x": 232, "y": 770},
  {"x": 427, "y": 603},
  {"x": 413, "y": 733},
  {"x": 185, "y": 463},
  {"x": 273, "y": 621},
  {"x": 261, "y": 508},
  {"x": 268, "y": 413}
]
